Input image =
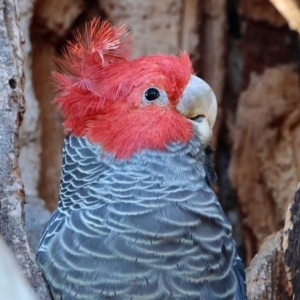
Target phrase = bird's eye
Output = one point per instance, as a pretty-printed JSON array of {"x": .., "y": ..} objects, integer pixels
[{"x": 152, "y": 94}]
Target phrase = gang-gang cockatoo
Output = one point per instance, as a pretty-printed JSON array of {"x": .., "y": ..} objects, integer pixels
[{"x": 137, "y": 218}]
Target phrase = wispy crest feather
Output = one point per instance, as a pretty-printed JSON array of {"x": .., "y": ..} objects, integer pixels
[{"x": 101, "y": 45}]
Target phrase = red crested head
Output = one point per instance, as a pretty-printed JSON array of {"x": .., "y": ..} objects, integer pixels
[{"x": 124, "y": 105}]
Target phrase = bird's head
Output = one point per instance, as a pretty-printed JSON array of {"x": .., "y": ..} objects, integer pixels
[{"x": 130, "y": 105}]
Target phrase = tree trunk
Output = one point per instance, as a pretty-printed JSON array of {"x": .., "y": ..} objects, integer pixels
[
  {"x": 274, "y": 272},
  {"x": 267, "y": 135},
  {"x": 266, "y": 277},
  {"x": 264, "y": 163},
  {"x": 11, "y": 114},
  {"x": 291, "y": 245}
]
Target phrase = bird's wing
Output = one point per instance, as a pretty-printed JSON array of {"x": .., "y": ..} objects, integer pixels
[{"x": 241, "y": 291}]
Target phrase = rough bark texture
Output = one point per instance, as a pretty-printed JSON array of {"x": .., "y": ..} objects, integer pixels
[
  {"x": 264, "y": 164},
  {"x": 265, "y": 39},
  {"x": 150, "y": 23},
  {"x": 274, "y": 271},
  {"x": 189, "y": 40},
  {"x": 267, "y": 135},
  {"x": 51, "y": 21},
  {"x": 212, "y": 51},
  {"x": 29, "y": 160},
  {"x": 292, "y": 244},
  {"x": 266, "y": 276},
  {"x": 11, "y": 114}
]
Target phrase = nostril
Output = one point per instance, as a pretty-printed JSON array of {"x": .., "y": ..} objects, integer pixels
[{"x": 198, "y": 118}]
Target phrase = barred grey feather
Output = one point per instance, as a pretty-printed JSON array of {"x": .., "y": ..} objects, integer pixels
[{"x": 146, "y": 228}]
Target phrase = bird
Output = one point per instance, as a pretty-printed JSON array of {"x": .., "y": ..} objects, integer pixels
[{"x": 137, "y": 218}]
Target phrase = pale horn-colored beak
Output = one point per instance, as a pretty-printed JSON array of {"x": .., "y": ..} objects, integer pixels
[{"x": 199, "y": 104}]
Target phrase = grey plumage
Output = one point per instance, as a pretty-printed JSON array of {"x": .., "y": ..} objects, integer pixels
[{"x": 146, "y": 228}]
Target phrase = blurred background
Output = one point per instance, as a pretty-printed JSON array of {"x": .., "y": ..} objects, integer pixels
[{"x": 244, "y": 49}]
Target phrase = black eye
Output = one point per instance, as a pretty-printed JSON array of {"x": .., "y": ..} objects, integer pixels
[{"x": 151, "y": 94}]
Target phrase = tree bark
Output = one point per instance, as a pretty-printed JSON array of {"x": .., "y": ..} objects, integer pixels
[
  {"x": 11, "y": 114},
  {"x": 267, "y": 135},
  {"x": 51, "y": 21},
  {"x": 212, "y": 52},
  {"x": 267, "y": 278},
  {"x": 29, "y": 139},
  {"x": 264, "y": 163},
  {"x": 291, "y": 245},
  {"x": 274, "y": 272},
  {"x": 150, "y": 22}
]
